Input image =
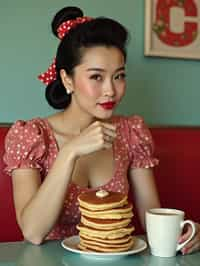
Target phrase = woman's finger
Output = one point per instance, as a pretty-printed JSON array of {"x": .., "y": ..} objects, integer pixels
[
  {"x": 108, "y": 139},
  {"x": 186, "y": 235},
  {"x": 194, "y": 244},
  {"x": 109, "y": 126},
  {"x": 109, "y": 133}
]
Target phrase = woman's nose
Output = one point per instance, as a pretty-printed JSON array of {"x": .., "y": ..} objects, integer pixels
[{"x": 109, "y": 89}]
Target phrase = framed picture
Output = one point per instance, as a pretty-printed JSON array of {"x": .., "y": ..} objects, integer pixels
[{"x": 172, "y": 28}]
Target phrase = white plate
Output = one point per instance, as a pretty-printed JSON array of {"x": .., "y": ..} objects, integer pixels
[{"x": 71, "y": 243}]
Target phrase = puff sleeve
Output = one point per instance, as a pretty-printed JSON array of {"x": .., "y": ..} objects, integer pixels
[
  {"x": 141, "y": 145},
  {"x": 24, "y": 146}
]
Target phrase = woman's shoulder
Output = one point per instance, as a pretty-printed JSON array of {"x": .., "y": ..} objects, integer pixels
[
  {"x": 133, "y": 127},
  {"x": 33, "y": 129},
  {"x": 134, "y": 121},
  {"x": 32, "y": 125},
  {"x": 26, "y": 143}
]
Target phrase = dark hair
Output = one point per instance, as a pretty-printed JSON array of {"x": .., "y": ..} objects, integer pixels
[{"x": 96, "y": 32}]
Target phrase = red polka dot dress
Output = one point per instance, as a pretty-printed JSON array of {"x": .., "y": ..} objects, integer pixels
[{"x": 31, "y": 144}]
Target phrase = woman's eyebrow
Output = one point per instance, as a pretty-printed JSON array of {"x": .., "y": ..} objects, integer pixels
[
  {"x": 96, "y": 69},
  {"x": 103, "y": 70},
  {"x": 120, "y": 68}
]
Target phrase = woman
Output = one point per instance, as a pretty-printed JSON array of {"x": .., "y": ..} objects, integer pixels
[{"x": 82, "y": 147}]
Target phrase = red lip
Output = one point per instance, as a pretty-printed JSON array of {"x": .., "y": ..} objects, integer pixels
[{"x": 108, "y": 105}]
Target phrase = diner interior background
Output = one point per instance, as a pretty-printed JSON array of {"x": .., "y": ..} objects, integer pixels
[{"x": 164, "y": 91}]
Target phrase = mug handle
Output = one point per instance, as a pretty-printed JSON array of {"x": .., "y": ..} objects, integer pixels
[{"x": 180, "y": 246}]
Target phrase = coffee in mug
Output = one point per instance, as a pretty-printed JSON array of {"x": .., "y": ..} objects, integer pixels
[{"x": 164, "y": 227}]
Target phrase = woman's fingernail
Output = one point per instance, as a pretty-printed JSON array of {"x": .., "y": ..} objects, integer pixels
[{"x": 184, "y": 251}]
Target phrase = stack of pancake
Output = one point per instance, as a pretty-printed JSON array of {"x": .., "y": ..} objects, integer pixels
[{"x": 105, "y": 222}]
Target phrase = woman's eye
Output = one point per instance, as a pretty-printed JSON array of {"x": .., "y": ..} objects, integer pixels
[
  {"x": 120, "y": 76},
  {"x": 96, "y": 77}
]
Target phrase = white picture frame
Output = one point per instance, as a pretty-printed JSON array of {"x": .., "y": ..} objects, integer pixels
[{"x": 172, "y": 28}]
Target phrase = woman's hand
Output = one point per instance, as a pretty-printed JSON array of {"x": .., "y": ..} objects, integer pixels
[
  {"x": 97, "y": 136},
  {"x": 194, "y": 244}
]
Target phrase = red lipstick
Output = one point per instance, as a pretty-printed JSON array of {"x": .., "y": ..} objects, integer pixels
[{"x": 108, "y": 105}]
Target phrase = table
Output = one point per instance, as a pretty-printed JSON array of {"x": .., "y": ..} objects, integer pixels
[{"x": 53, "y": 254}]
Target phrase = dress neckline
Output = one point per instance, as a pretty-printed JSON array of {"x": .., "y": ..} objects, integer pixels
[{"x": 114, "y": 150}]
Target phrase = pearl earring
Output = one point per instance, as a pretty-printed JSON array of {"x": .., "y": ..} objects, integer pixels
[{"x": 68, "y": 91}]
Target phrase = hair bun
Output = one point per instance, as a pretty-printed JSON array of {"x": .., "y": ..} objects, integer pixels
[
  {"x": 56, "y": 95},
  {"x": 65, "y": 14}
]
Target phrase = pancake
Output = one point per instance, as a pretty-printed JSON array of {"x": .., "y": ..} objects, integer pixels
[
  {"x": 90, "y": 244},
  {"x": 91, "y": 201},
  {"x": 106, "y": 234},
  {"x": 112, "y": 248},
  {"x": 105, "y": 224},
  {"x": 111, "y": 241},
  {"x": 119, "y": 213}
]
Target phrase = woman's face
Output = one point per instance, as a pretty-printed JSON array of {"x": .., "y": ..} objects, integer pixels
[{"x": 98, "y": 83}]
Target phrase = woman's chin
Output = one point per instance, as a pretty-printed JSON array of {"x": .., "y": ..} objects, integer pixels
[{"x": 104, "y": 116}]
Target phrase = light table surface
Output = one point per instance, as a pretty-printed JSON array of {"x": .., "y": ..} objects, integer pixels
[{"x": 53, "y": 254}]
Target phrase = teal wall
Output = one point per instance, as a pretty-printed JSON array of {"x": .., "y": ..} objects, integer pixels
[{"x": 164, "y": 91}]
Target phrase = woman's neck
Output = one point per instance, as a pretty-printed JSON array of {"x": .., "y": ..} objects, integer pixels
[{"x": 75, "y": 121}]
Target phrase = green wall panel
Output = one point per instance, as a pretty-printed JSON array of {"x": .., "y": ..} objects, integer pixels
[{"x": 164, "y": 91}]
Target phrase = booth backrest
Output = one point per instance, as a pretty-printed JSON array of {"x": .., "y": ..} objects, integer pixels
[
  {"x": 177, "y": 177},
  {"x": 9, "y": 230},
  {"x": 178, "y": 173}
]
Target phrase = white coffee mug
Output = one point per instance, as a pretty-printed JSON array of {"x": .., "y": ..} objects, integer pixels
[{"x": 164, "y": 227}]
